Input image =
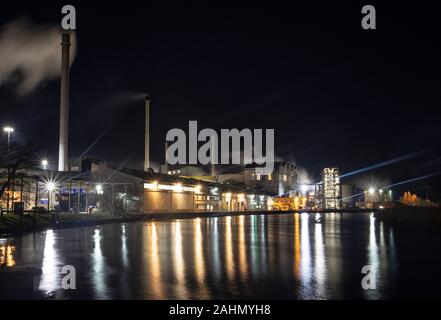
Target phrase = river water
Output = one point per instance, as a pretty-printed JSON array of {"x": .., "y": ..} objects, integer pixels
[{"x": 285, "y": 256}]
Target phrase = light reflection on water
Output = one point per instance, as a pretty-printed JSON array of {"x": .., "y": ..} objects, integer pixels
[
  {"x": 7, "y": 255},
  {"x": 50, "y": 279},
  {"x": 179, "y": 263},
  {"x": 272, "y": 256},
  {"x": 99, "y": 267}
]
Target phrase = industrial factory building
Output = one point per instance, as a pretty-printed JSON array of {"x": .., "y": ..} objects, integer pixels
[
  {"x": 101, "y": 188},
  {"x": 329, "y": 190},
  {"x": 281, "y": 181},
  {"x": 89, "y": 185}
]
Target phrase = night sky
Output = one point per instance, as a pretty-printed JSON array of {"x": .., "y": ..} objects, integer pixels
[{"x": 335, "y": 94}]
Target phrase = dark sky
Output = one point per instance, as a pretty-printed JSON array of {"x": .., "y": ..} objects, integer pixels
[{"x": 335, "y": 94}]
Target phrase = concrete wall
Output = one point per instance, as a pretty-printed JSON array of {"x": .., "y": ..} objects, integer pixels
[{"x": 155, "y": 201}]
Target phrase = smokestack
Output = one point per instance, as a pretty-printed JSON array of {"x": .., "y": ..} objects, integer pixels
[
  {"x": 213, "y": 159},
  {"x": 147, "y": 134},
  {"x": 165, "y": 155},
  {"x": 64, "y": 103}
]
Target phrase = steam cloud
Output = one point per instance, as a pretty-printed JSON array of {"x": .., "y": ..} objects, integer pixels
[
  {"x": 303, "y": 176},
  {"x": 34, "y": 51}
]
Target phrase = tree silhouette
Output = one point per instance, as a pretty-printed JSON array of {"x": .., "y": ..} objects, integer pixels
[{"x": 14, "y": 158}]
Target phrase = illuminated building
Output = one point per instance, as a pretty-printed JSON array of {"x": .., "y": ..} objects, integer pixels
[
  {"x": 329, "y": 190},
  {"x": 279, "y": 182}
]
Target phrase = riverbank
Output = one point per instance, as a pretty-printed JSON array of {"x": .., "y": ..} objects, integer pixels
[
  {"x": 13, "y": 224},
  {"x": 409, "y": 214}
]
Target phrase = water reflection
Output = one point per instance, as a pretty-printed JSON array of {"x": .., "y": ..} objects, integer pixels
[
  {"x": 179, "y": 264},
  {"x": 215, "y": 253},
  {"x": 320, "y": 262},
  {"x": 198, "y": 252},
  {"x": 296, "y": 246},
  {"x": 229, "y": 262},
  {"x": 125, "y": 257},
  {"x": 7, "y": 255},
  {"x": 199, "y": 259},
  {"x": 305, "y": 257},
  {"x": 249, "y": 257},
  {"x": 254, "y": 243},
  {"x": 154, "y": 263},
  {"x": 98, "y": 266},
  {"x": 373, "y": 249},
  {"x": 50, "y": 280},
  {"x": 243, "y": 265}
]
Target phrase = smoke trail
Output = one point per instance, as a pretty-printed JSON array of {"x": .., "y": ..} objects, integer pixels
[
  {"x": 303, "y": 176},
  {"x": 32, "y": 50}
]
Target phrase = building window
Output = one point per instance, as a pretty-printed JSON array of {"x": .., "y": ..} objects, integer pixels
[
  {"x": 285, "y": 178},
  {"x": 257, "y": 176},
  {"x": 270, "y": 177}
]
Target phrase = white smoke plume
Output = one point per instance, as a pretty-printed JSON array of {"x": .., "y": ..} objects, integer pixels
[
  {"x": 303, "y": 176},
  {"x": 32, "y": 50}
]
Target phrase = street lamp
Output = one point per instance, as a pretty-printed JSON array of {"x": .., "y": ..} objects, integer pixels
[
  {"x": 371, "y": 191},
  {"x": 44, "y": 163},
  {"x": 8, "y": 131}
]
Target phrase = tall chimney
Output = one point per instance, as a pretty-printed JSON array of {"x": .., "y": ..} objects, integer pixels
[
  {"x": 214, "y": 159},
  {"x": 165, "y": 155},
  {"x": 64, "y": 103},
  {"x": 147, "y": 134}
]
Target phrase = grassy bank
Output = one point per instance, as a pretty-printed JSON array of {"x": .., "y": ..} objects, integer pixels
[
  {"x": 12, "y": 223},
  {"x": 409, "y": 214}
]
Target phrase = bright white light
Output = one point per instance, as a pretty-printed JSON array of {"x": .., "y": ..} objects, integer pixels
[
  {"x": 44, "y": 163},
  {"x": 371, "y": 191},
  {"x": 381, "y": 191},
  {"x": 304, "y": 188},
  {"x": 8, "y": 129},
  {"x": 99, "y": 188},
  {"x": 198, "y": 189},
  {"x": 50, "y": 186}
]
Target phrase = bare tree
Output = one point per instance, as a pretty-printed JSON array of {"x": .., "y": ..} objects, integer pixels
[{"x": 14, "y": 158}]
